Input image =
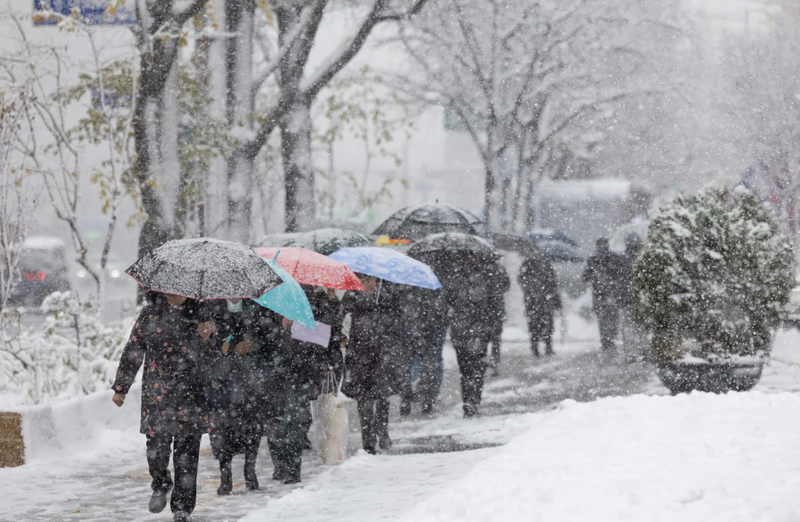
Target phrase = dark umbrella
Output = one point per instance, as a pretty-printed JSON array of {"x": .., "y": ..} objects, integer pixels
[
  {"x": 453, "y": 242},
  {"x": 204, "y": 269},
  {"x": 326, "y": 241},
  {"x": 417, "y": 222}
]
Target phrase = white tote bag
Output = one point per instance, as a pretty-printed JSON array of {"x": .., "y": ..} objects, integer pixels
[{"x": 333, "y": 423}]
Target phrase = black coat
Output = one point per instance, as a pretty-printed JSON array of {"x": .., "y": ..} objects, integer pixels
[
  {"x": 376, "y": 350},
  {"x": 539, "y": 287},
  {"x": 605, "y": 272},
  {"x": 471, "y": 295},
  {"x": 166, "y": 340}
]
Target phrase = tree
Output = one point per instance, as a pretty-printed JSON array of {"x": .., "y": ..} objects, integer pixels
[
  {"x": 524, "y": 79},
  {"x": 298, "y": 85},
  {"x": 713, "y": 276},
  {"x": 17, "y": 197},
  {"x": 159, "y": 33}
]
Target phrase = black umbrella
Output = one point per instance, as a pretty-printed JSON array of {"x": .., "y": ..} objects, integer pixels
[
  {"x": 417, "y": 222},
  {"x": 204, "y": 269},
  {"x": 454, "y": 242}
]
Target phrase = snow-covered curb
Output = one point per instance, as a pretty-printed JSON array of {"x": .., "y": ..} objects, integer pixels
[
  {"x": 79, "y": 425},
  {"x": 691, "y": 457}
]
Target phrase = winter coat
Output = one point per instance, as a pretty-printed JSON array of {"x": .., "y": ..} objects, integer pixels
[
  {"x": 235, "y": 387},
  {"x": 498, "y": 284},
  {"x": 605, "y": 272},
  {"x": 375, "y": 365},
  {"x": 425, "y": 312},
  {"x": 539, "y": 287},
  {"x": 330, "y": 312},
  {"x": 166, "y": 340},
  {"x": 468, "y": 291}
]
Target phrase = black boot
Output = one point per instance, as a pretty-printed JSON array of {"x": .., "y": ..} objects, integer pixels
[
  {"x": 405, "y": 406},
  {"x": 250, "y": 478},
  {"x": 158, "y": 501},
  {"x": 385, "y": 443},
  {"x": 225, "y": 477}
]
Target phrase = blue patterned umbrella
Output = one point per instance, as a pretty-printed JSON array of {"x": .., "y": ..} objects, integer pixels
[{"x": 388, "y": 264}]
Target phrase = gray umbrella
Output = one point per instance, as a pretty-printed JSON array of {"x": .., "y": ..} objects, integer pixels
[
  {"x": 204, "y": 269},
  {"x": 453, "y": 242},
  {"x": 417, "y": 222}
]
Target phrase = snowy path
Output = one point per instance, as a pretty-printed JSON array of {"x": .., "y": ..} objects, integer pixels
[{"x": 109, "y": 480}]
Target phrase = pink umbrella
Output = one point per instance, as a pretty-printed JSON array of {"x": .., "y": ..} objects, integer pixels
[{"x": 310, "y": 268}]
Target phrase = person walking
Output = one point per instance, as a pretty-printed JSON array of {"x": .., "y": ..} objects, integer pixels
[
  {"x": 425, "y": 312},
  {"x": 471, "y": 322},
  {"x": 633, "y": 335},
  {"x": 498, "y": 285},
  {"x": 537, "y": 278},
  {"x": 166, "y": 339},
  {"x": 229, "y": 384},
  {"x": 374, "y": 371},
  {"x": 603, "y": 272}
]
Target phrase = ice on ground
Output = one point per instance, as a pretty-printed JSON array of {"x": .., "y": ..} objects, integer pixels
[{"x": 697, "y": 457}]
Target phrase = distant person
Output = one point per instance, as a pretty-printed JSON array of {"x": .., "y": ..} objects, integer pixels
[
  {"x": 604, "y": 272},
  {"x": 499, "y": 284},
  {"x": 166, "y": 338},
  {"x": 542, "y": 299},
  {"x": 633, "y": 335}
]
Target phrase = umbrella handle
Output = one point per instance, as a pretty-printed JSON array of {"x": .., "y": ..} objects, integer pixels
[{"x": 378, "y": 293}]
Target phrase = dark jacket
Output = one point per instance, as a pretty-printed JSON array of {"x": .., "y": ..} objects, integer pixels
[
  {"x": 468, "y": 291},
  {"x": 539, "y": 287},
  {"x": 604, "y": 271},
  {"x": 166, "y": 340},
  {"x": 375, "y": 351}
]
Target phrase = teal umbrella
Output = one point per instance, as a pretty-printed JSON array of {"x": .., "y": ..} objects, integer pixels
[{"x": 288, "y": 299}]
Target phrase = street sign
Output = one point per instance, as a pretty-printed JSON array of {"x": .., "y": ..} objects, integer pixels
[{"x": 92, "y": 12}]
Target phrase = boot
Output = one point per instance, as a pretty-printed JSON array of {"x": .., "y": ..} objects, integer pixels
[
  {"x": 182, "y": 516},
  {"x": 470, "y": 409},
  {"x": 158, "y": 501},
  {"x": 385, "y": 443},
  {"x": 428, "y": 409},
  {"x": 292, "y": 473},
  {"x": 250, "y": 477},
  {"x": 225, "y": 478},
  {"x": 405, "y": 407}
]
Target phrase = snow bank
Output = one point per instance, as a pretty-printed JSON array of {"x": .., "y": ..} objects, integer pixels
[
  {"x": 81, "y": 425},
  {"x": 691, "y": 457}
]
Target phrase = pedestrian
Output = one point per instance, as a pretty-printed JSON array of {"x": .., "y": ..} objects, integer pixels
[
  {"x": 537, "y": 278},
  {"x": 374, "y": 367},
  {"x": 632, "y": 333},
  {"x": 425, "y": 313},
  {"x": 296, "y": 367},
  {"x": 230, "y": 383},
  {"x": 499, "y": 284},
  {"x": 471, "y": 323},
  {"x": 604, "y": 272},
  {"x": 166, "y": 338}
]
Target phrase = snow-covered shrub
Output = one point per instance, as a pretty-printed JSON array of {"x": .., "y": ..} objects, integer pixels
[
  {"x": 74, "y": 353},
  {"x": 713, "y": 276}
]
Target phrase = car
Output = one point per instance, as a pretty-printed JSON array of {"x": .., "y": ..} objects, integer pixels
[{"x": 42, "y": 270}]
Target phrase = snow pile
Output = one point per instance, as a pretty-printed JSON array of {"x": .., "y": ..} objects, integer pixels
[
  {"x": 87, "y": 424},
  {"x": 691, "y": 457}
]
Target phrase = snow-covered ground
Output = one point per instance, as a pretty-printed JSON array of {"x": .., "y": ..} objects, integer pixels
[{"x": 536, "y": 453}]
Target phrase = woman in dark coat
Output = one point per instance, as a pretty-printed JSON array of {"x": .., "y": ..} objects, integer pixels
[
  {"x": 166, "y": 338},
  {"x": 230, "y": 384},
  {"x": 375, "y": 366}
]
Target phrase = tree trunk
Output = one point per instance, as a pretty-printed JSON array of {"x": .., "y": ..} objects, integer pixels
[
  {"x": 239, "y": 14},
  {"x": 298, "y": 170}
]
